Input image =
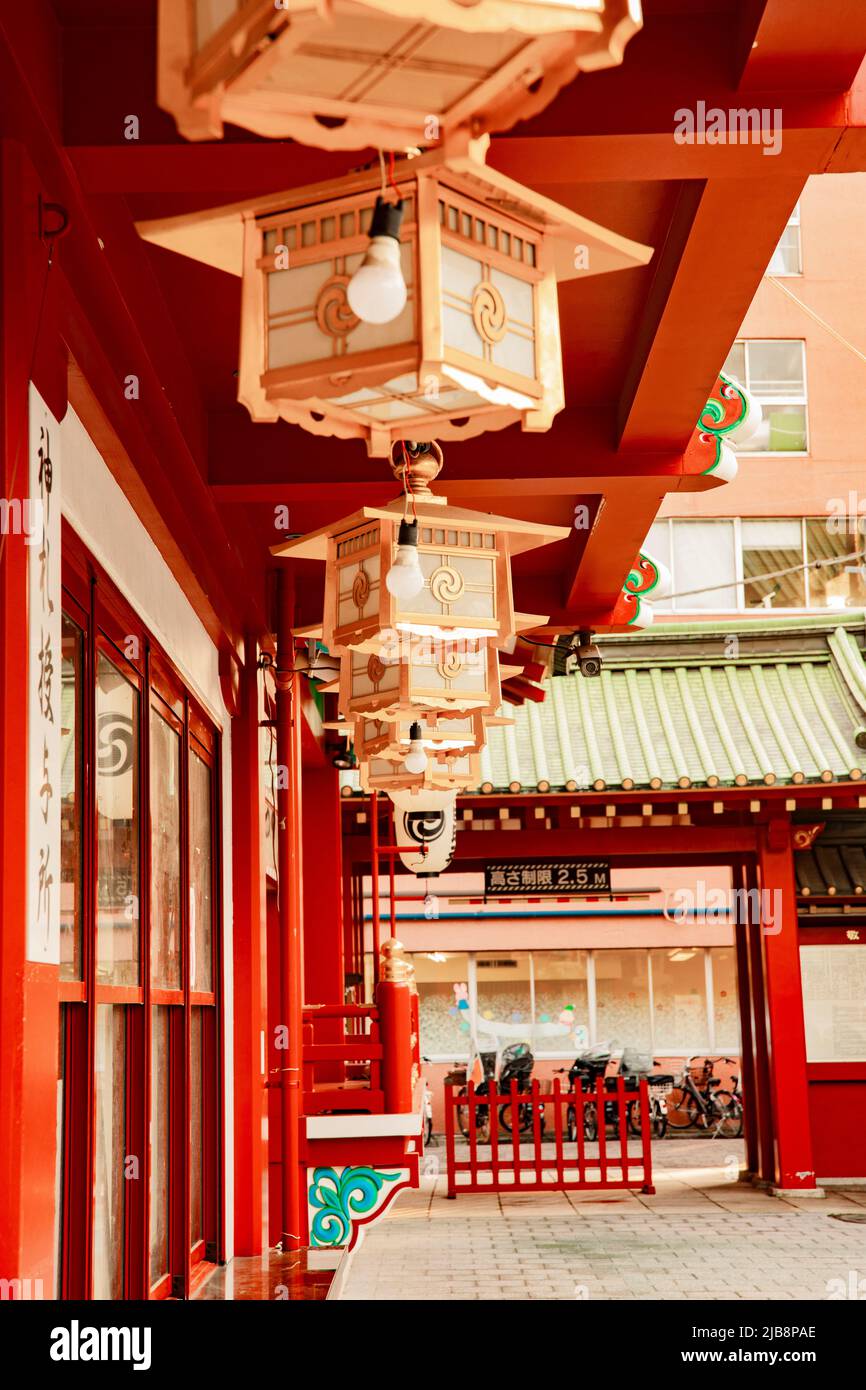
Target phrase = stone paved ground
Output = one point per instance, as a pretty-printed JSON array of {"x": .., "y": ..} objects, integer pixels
[{"x": 704, "y": 1235}]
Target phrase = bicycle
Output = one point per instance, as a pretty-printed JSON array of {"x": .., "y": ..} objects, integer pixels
[{"x": 698, "y": 1102}]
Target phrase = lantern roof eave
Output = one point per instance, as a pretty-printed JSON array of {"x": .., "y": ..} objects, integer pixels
[
  {"x": 214, "y": 236},
  {"x": 523, "y": 535}
]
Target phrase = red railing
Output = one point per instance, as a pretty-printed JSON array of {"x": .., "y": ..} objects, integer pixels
[
  {"x": 546, "y": 1159},
  {"x": 370, "y": 1070}
]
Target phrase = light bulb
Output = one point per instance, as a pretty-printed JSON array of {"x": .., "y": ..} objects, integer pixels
[
  {"x": 405, "y": 578},
  {"x": 377, "y": 290},
  {"x": 416, "y": 759}
]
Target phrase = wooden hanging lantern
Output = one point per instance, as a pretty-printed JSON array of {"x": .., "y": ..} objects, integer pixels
[
  {"x": 463, "y": 563},
  {"x": 469, "y": 266},
  {"x": 456, "y": 772},
  {"x": 459, "y": 678},
  {"x": 345, "y": 74},
  {"x": 441, "y": 732}
]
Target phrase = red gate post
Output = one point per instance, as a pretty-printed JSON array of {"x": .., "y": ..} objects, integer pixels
[
  {"x": 450, "y": 1156},
  {"x": 747, "y": 1047},
  {"x": 781, "y": 955},
  {"x": 323, "y": 904},
  {"x": 394, "y": 1003},
  {"x": 646, "y": 1139}
]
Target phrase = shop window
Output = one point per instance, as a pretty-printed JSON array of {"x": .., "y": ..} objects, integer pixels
[
  {"x": 622, "y": 999},
  {"x": 561, "y": 1002},
  {"x": 680, "y": 1000},
  {"x": 443, "y": 1003},
  {"x": 165, "y": 854},
  {"x": 118, "y": 779},
  {"x": 726, "y": 1013},
  {"x": 71, "y": 846},
  {"x": 109, "y": 1151},
  {"x": 771, "y": 544},
  {"x": 201, "y": 875},
  {"x": 133, "y": 1170},
  {"x": 504, "y": 1009}
]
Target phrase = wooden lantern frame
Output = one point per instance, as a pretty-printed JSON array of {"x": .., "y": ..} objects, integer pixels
[
  {"x": 358, "y": 550},
  {"x": 482, "y": 256},
  {"x": 455, "y": 773},
  {"x": 407, "y": 73},
  {"x": 395, "y": 692},
  {"x": 389, "y": 738}
]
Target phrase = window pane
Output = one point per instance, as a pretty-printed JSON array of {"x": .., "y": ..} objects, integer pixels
[
  {"x": 165, "y": 968},
  {"x": 658, "y": 544},
  {"x": 837, "y": 587},
  {"x": 159, "y": 1143},
  {"x": 117, "y": 795},
  {"x": 769, "y": 546},
  {"x": 71, "y": 846},
  {"x": 725, "y": 1007},
  {"x": 196, "y": 1128},
  {"x": 786, "y": 257},
  {"x": 443, "y": 1003},
  {"x": 110, "y": 1147},
  {"x": 776, "y": 368},
  {"x": 782, "y": 430},
  {"x": 504, "y": 1009},
  {"x": 622, "y": 999},
  {"x": 561, "y": 1007},
  {"x": 704, "y": 552},
  {"x": 200, "y": 875},
  {"x": 680, "y": 1000},
  {"x": 735, "y": 363}
]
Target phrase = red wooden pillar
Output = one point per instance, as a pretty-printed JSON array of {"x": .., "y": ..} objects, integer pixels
[
  {"x": 29, "y": 1007},
  {"x": 789, "y": 1087},
  {"x": 323, "y": 904},
  {"x": 289, "y": 840},
  {"x": 747, "y": 1038},
  {"x": 249, "y": 894}
]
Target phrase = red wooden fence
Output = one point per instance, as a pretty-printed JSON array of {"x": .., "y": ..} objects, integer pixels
[{"x": 536, "y": 1162}]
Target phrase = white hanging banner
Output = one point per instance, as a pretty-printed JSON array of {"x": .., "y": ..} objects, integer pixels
[{"x": 44, "y": 667}]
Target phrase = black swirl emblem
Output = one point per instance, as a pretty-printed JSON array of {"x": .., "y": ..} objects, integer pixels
[
  {"x": 114, "y": 744},
  {"x": 424, "y": 827}
]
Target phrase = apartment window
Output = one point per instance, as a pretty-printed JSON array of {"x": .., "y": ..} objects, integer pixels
[
  {"x": 741, "y": 563},
  {"x": 774, "y": 370},
  {"x": 787, "y": 258}
]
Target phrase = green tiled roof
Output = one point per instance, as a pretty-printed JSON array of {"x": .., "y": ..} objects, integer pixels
[{"x": 698, "y": 704}]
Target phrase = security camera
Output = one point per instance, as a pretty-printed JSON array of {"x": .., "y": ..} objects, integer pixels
[{"x": 587, "y": 655}]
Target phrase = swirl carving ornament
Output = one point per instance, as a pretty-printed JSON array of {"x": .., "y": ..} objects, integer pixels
[
  {"x": 488, "y": 312},
  {"x": 333, "y": 314},
  {"x": 375, "y": 669},
  {"x": 450, "y": 666},
  {"x": 338, "y": 1198},
  {"x": 446, "y": 584},
  {"x": 360, "y": 588}
]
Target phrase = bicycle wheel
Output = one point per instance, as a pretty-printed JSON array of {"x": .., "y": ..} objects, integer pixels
[
  {"x": 482, "y": 1120},
  {"x": 659, "y": 1122},
  {"x": 571, "y": 1125},
  {"x": 727, "y": 1120},
  {"x": 683, "y": 1111},
  {"x": 590, "y": 1124},
  {"x": 633, "y": 1113}
]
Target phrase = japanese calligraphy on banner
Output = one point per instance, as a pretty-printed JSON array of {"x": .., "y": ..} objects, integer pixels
[
  {"x": 562, "y": 878},
  {"x": 44, "y": 663}
]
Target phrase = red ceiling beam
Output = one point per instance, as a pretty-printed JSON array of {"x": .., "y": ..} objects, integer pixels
[
  {"x": 799, "y": 45},
  {"x": 716, "y": 254}
]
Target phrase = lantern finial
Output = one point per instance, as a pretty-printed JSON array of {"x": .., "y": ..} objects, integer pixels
[{"x": 415, "y": 466}]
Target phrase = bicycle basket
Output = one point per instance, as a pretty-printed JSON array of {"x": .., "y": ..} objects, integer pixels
[
  {"x": 700, "y": 1074},
  {"x": 635, "y": 1063}
]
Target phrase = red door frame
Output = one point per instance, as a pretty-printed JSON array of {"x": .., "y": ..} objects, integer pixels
[{"x": 108, "y": 620}]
